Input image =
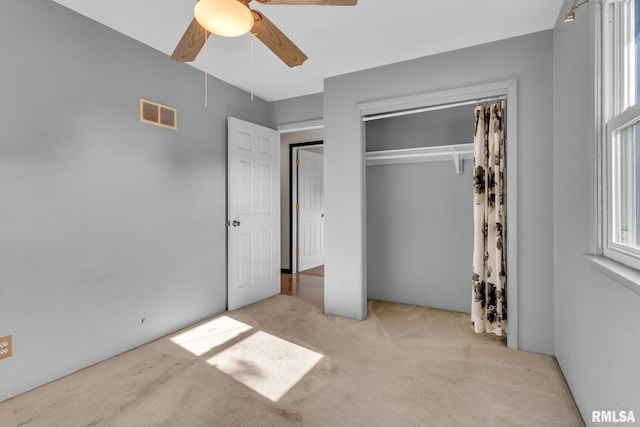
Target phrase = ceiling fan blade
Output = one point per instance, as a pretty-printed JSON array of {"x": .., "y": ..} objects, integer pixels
[
  {"x": 312, "y": 2},
  {"x": 274, "y": 39},
  {"x": 191, "y": 43}
]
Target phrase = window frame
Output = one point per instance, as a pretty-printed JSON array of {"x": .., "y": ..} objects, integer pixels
[{"x": 620, "y": 111}]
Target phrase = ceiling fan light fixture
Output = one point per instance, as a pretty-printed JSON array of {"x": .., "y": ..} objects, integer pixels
[{"x": 226, "y": 18}]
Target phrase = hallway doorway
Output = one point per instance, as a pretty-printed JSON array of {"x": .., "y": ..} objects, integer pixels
[{"x": 308, "y": 284}]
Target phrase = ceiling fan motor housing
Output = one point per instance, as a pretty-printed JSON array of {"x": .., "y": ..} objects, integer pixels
[{"x": 226, "y": 18}]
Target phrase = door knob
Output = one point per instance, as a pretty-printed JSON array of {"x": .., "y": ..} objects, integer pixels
[{"x": 235, "y": 223}]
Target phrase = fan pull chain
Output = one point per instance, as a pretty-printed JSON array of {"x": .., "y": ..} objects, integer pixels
[
  {"x": 252, "y": 66},
  {"x": 206, "y": 68}
]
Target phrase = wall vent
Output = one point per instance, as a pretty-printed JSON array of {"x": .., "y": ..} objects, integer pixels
[{"x": 158, "y": 114}]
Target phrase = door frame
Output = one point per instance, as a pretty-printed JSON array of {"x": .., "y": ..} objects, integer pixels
[
  {"x": 293, "y": 197},
  {"x": 443, "y": 99},
  {"x": 294, "y": 127}
]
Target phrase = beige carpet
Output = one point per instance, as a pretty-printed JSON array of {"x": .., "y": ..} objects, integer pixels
[{"x": 282, "y": 362}]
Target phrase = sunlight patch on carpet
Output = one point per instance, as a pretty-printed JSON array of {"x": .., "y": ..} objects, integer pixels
[
  {"x": 267, "y": 364},
  {"x": 207, "y": 336}
]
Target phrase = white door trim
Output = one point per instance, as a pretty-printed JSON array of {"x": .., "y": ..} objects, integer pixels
[
  {"x": 300, "y": 126},
  {"x": 508, "y": 88}
]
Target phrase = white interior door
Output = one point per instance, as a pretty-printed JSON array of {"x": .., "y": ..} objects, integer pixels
[
  {"x": 310, "y": 233},
  {"x": 253, "y": 213}
]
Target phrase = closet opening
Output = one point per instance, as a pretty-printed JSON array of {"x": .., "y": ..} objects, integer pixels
[
  {"x": 420, "y": 208},
  {"x": 302, "y": 212},
  {"x": 418, "y": 184}
]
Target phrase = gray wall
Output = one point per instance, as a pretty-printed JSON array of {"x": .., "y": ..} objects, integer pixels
[
  {"x": 299, "y": 109},
  {"x": 527, "y": 59},
  {"x": 420, "y": 215},
  {"x": 439, "y": 127},
  {"x": 597, "y": 320},
  {"x": 104, "y": 220}
]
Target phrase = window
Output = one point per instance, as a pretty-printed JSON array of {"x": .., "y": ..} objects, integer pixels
[{"x": 621, "y": 110}]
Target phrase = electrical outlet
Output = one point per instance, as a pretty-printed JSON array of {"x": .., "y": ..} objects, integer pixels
[{"x": 6, "y": 349}]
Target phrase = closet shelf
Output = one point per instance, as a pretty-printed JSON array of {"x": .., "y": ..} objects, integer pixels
[{"x": 455, "y": 152}]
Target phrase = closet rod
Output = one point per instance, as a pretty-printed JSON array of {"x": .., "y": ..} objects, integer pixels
[{"x": 432, "y": 108}]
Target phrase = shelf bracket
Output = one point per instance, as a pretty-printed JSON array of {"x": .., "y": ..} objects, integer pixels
[{"x": 457, "y": 163}]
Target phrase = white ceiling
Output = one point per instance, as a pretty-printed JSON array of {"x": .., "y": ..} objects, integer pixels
[{"x": 337, "y": 40}]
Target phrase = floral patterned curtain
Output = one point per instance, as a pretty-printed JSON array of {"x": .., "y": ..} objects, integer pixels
[{"x": 489, "y": 304}]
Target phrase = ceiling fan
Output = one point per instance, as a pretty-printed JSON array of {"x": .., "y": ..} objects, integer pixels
[{"x": 231, "y": 18}]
